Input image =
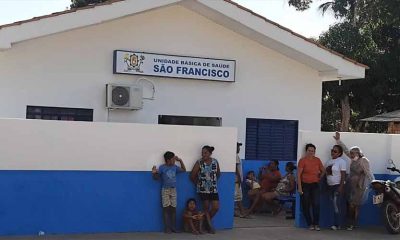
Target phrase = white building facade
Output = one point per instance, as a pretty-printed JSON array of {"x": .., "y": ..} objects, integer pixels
[
  {"x": 57, "y": 67},
  {"x": 67, "y": 60}
]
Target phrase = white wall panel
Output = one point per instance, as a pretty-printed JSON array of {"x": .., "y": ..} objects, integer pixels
[
  {"x": 378, "y": 148},
  {"x": 62, "y": 145},
  {"x": 71, "y": 69}
]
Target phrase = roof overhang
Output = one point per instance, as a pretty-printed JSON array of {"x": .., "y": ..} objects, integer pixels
[
  {"x": 329, "y": 64},
  {"x": 384, "y": 117},
  {"x": 74, "y": 18}
]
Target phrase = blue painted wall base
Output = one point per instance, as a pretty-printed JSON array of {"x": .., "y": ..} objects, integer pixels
[
  {"x": 370, "y": 215},
  {"x": 62, "y": 202}
]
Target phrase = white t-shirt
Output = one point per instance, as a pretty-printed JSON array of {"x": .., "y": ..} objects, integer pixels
[
  {"x": 253, "y": 184},
  {"x": 338, "y": 165},
  {"x": 239, "y": 166}
]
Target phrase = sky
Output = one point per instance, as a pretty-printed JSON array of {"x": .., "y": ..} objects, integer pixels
[{"x": 309, "y": 23}]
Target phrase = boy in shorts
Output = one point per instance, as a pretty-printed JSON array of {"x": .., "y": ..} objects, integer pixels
[{"x": 167, "y": 172}]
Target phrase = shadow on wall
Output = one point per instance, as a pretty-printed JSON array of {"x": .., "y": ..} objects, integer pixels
[{"x": 62, "y": 202}]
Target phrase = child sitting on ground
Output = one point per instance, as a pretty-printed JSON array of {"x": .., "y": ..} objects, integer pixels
[
  {"x": 167, "y": 172},
  {"x": 192, "y": 219}
]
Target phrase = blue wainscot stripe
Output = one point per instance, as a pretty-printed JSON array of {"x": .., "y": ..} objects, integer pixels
[
  {"x": 62, "y": 202},
  {"x": 370, "y": 214}
]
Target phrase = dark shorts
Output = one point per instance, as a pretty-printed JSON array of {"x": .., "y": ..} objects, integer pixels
[{"x": 209, "y": 196}]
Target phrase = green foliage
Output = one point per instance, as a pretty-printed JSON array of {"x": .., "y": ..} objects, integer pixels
[
  {"x": 330, "y": 120},
  {"x": 300, "y": 5},
  {"x": 350, "y": 41},
  {"x": 341, "y": 8},
  {"x": 82, "y": 3},
  {"x": 369, "y": 33}
]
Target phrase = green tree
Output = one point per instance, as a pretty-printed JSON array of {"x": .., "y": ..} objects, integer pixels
[
  {"x": 348, "y": 40},
  {"x": 341, "y": 8},
  {"x": 369, "y": 33},
  {"x": 82, "y": 3}
]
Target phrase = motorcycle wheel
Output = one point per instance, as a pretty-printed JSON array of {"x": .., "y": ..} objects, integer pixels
[{"x": 391, "y": 217}]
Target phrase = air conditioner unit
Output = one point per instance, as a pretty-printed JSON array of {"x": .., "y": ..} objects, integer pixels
[{"x": 121, "y": 96}]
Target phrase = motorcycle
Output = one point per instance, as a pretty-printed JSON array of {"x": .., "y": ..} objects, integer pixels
[{"x": 387, "y": 197}]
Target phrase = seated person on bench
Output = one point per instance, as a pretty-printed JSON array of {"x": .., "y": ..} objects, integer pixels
[
  {"x": 285, "y": 188},
  {"x": 269, "y": 176},
  {"x": 254, "y": 192}
]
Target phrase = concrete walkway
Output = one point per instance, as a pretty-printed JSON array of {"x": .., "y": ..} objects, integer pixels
[{"x": 260, "y": 227}]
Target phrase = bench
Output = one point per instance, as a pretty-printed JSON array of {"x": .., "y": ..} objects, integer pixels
[
  {"x": 255, "y": 165},
  {"x": 291, "y": 201}
]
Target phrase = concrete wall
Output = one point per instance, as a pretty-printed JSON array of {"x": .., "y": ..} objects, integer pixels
[
  {"x": 71, "y": 69},
  {"x": 378, "y": 148},
  {"x": 60, "y": 145},
  {"x": 77, "y": 177}
]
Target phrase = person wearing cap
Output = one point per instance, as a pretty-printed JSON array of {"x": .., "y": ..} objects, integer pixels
[{"x": 358, "y": 181}]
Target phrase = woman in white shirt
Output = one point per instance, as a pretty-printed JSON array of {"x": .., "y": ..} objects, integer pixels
[
  {"x": 336, "y": 175},
  {"x": 358, "y": 181}
]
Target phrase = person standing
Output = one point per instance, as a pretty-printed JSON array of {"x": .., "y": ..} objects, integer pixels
[
  {"x": 358, "y": 181},
  {"x": 205, "y": 175},
  {"x": 167, "y": 172},
  {"x": 335, "y": 176},
  {"x": 238, "y": 184},
  {"x": 310, "y": 170}
]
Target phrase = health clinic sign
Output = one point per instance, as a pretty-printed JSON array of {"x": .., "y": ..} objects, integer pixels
[{"x": 150, "y": 64}]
